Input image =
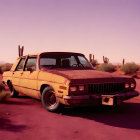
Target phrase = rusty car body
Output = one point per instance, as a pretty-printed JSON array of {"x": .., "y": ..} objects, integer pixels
[{"x": 65, "y": 78}]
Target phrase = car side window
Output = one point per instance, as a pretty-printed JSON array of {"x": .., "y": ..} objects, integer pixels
[
  {"x": 31, "y": 64},
  {"x": 47, "y": 61},
  {"x": 20, "y": 65}
]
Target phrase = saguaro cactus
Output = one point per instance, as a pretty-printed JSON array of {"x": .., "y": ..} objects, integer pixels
[
  {"x": 91, "y": 58},
  {"x": 20, "y": 50},
  {"x": 123, "y": 61},
  {"x": 105, "y": 60}
]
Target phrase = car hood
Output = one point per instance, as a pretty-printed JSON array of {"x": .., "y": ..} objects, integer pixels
[{"x": 89, "y": 76}]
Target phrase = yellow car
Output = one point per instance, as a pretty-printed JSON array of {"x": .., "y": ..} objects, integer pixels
[{"x": 64, "y": 78}]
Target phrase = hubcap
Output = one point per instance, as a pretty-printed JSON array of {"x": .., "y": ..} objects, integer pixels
[{"x": 50, "y": 99}]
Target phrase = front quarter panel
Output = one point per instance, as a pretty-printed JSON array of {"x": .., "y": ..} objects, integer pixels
[
  {"x": 7, "y": 76},
  {"x": 59, "y": 84}
]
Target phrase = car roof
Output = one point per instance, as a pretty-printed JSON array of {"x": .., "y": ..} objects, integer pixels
[{"x": 60, "y": 53}]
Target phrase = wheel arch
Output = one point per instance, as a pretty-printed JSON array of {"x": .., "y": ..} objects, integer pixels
[
  {"x": 43, "y": 86},
  {"x": 8, "y": 81}
]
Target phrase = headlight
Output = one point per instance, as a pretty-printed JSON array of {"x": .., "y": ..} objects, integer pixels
[
  {"x": 126, "y": 85},
  {"x": 81, "y": 88},
  {"x": 132, "y": 85},
  {"x": 73, "y": 89}
]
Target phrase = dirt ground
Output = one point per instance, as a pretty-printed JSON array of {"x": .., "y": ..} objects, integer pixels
[{"x": 25, "y": 118}]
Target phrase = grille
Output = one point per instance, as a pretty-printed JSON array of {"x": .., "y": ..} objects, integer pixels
[{"x": 106, "y": 88}]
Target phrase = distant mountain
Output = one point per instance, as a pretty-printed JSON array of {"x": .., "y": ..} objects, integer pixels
[{"x": 117, "y": 63}]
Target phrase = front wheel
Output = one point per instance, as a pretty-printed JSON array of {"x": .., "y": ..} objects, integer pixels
[{"x": 49, "y": 100}]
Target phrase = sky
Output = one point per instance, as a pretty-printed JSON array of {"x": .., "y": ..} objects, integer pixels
[{"x": 108, "y": 28}]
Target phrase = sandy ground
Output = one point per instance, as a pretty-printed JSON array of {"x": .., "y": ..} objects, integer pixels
[{"x": 25, "y": 118}]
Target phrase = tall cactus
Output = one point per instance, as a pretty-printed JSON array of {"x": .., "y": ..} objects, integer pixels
[
  {"x": 123, "y": 61},
  {"x": 20, "y": 50},
  {"x": 91, "y": 58},
  {"x": 105, "y": 60}
]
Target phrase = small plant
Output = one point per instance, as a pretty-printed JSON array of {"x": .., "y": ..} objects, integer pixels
[
  {"x": 0, "y": 70},
  {"x": 130, "y": 68},
  {"x": 106, "y": 67},
  {"x": 1, "y": 87},
  {"x": 3, "y": 95}
]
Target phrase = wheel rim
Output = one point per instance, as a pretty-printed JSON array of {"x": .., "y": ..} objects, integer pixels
[{"x": 50, "y": 99}]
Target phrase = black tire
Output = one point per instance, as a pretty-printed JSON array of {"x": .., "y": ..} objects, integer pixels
[
  {"x": 13, "y": 92},
  {"x": 49, "y": 100}
]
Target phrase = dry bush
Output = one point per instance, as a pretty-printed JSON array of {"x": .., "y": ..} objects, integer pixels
[
  {"x": 1, "y": 87},
  {"x": 6, "y": 67},
  {"x": 130, "y": 68},
  {"x": 106, "y": 67},
  {"x": 3, "y": 95},
  {"x": 94, "y": 63},
  {"x": 0, "y": 70}
]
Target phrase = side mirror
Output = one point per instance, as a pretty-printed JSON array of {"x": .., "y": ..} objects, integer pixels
[{"x": 29, "y": 69}]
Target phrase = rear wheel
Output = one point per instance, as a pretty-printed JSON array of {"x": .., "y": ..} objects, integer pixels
[
  {"x": 13, "y": 92},
  {"x": 49, "y": 100}
]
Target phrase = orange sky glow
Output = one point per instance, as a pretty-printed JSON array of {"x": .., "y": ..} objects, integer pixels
[{"x": 110, "y": 28}]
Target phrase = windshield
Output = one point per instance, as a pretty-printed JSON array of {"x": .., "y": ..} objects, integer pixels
[{"x": 51, "y": 61}]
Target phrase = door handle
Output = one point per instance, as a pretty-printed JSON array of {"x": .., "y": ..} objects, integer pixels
[{"x": 21, "y": 73}]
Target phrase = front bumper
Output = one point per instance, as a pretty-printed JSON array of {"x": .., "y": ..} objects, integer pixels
[{"x": 97, "y": 99}]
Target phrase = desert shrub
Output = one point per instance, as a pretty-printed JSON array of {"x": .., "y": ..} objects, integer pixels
[
  {"x": 6, "y": 67},
  {"x": 106, "y": 67},
  {"x": 3, "y": 95},
  {"x": 1, "y": 87},
  {"x": 130, "y": 68},
  {"x": 0, "y": 70}
]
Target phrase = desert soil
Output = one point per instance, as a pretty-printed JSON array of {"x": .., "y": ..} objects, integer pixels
[{"x": 25, "y": 118}]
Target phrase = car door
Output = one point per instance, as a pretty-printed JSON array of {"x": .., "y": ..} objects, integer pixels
[
  {"x": 17, "y": 73},
  {"x": 28, "y": 80}
]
